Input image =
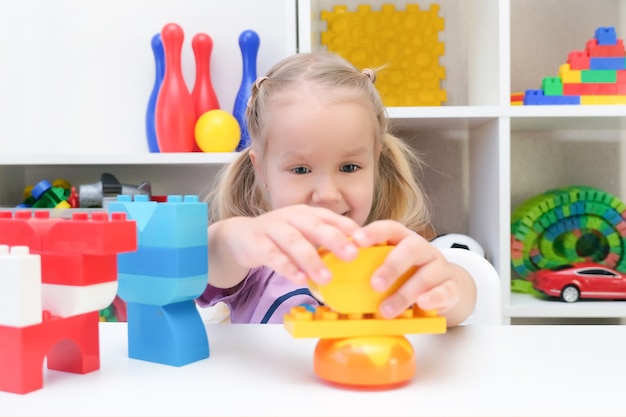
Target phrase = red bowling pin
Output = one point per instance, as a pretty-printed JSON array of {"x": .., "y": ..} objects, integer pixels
[
  {"x": 175, "y": 116},
  {"x": 203, "y": 94}
]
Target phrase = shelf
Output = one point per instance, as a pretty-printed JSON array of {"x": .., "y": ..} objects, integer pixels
[
  {"x": 524, "y": 305},
  {"x": 156, "y": 159},
  {"x": 443, "y": 117},
  {"x": 566, "y": 117}
]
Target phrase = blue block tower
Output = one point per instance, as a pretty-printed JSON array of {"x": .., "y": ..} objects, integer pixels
[{"x": 160, "y": 281}]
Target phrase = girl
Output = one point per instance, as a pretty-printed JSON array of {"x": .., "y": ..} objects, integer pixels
[{"x": 322, "y": 171}]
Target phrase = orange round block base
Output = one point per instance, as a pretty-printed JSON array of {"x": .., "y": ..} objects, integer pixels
[{"x": 374, "y": 362}]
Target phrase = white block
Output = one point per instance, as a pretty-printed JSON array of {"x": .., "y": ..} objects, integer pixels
[
  {"x": 71, "y": 300},
  {"x": 20, "y": 287}
]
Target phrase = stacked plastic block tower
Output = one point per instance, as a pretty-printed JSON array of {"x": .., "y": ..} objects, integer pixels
[
  {"x": 161, "y": 279},
  {"x": 596, "y": 75},
  {"x": 404, "y": 43},
  {"x": 358, "y": 347},
  {"x": 55, "y": 275}
]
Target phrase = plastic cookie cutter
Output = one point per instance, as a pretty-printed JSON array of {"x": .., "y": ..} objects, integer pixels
[{"x": 358, "y": 348}]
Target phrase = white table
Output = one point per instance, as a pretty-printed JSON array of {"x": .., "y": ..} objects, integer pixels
[{"x": 262, "y": 370}]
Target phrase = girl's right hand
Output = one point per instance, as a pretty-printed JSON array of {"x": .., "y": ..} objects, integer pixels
[{"x": 287, "y": 240}]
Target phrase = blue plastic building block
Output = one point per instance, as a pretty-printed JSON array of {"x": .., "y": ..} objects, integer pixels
[
  {"x": 171, "y": 335},
  {"x": 177, "y": 223},
  {"x": 165, "y": 262},
  {"x": 159, "y": 291},
  {"x": 536, "y": 97},
  {"x": 607, "y": 63},
  {"x": 606, "y": 36},
  {"x": 160, "y": 280}
]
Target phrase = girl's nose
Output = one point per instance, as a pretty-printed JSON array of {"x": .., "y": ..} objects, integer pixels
[{"x": 326, "y": 191}]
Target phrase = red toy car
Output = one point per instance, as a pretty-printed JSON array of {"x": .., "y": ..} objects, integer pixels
[{"x": 581, "y": 280}]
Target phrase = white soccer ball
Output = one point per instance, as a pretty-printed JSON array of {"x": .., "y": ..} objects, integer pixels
[{"x": 456, "y": 240}]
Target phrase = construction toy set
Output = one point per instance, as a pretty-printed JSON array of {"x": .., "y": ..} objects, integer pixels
[
  {"x": 58, "y": 273},
  {"x": 595, "y": 75}
]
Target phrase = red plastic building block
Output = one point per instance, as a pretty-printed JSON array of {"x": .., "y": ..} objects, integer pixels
[
  {"x": 82, "y": 251},
  {"x": 70, "y": 344},
  {"x": 578, "y": 60},
  {"x": 595, "y": 50},
  {"x": 589, "y": 89}
]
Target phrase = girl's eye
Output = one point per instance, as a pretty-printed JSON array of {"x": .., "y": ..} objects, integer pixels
[
  {"x": 349, "y": 168},
  {"x": 300, "y": 170}
]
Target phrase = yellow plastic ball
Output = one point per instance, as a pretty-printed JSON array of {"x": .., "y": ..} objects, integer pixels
[{"x": 217, "y": 131}]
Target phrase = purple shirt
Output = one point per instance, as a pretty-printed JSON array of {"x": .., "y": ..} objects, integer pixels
[{"x": 263, "y": 297}]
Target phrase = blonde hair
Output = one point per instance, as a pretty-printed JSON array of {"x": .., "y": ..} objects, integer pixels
[{"x": 397, "y": 195}]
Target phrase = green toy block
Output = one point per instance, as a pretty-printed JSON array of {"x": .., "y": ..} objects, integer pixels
[
  {"x": 598, "y": 76},
  {"x": 552, "y": 86}
]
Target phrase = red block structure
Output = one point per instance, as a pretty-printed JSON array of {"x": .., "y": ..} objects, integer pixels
[{"x": 78, "y": 278}]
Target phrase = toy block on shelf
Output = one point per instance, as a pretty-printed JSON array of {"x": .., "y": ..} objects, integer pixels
[
  {"x": 569, "y": 75},
  {"x": 517, "y": 99},
  {"x": 161, "y": 279},
  {"x": 589, "y": 89},
  {"x": 537, "y": 97},
  {"x": 598, "y": 76},
  {"x": 552, "y": 86},
  {"x": 593, "y": 49},
  {"x": 42, "y": 314},
  {"x": 606, "y": 36},
  {"x": 606, "y": 63},
  {"x": 587, "y": 77},
  {"x": 593, "y": 100},
  {"x": 578, "y": 60},
  {"x": 406, "y": 42}
]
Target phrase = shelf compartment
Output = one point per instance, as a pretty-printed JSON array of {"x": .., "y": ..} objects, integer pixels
[
  {"x": 471, "y": 40},
  {"x": 77, "y": 75},
  {"x": 543, "y": 33}
]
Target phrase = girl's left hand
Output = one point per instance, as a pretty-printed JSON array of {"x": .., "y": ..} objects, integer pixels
[{"x": 437, "y": 283}]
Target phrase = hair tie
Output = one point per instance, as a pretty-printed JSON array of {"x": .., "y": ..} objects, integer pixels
[
  {"x": 370, "y": 74},
  {"x": 258, "y": 82}
]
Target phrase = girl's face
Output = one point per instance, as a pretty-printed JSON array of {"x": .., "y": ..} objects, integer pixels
[{"x": 321, "y": 152}]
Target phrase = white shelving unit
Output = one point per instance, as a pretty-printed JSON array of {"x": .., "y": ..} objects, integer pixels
[{"x": 76, "y": 76}]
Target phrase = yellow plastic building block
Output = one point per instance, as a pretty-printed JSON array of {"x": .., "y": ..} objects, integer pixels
[
  {"x": 569, "y": 75},
  {"x": 404, "y": 44},
  {"x": 594, "y": 100},
  {"x": 350, "y": 278},
  {"x": 325, "y": 323}
]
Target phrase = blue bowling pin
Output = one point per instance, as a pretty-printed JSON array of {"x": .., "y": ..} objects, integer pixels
[
  {"x": 159, "y": 59},
  {"x": 249, "y": 44}
]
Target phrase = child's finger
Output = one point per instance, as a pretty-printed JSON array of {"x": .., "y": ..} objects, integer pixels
[
  {"x": 424, "y": 280},
  {"x": 408, "y": 254},
  {"x": 296, "y": 251},
  {"x": 440, "y": 298},
  {"x": 328, "y": 230},
  {"x": 382, "y": 232}
]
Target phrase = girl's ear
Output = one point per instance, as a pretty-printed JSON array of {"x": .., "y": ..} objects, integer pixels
[{"x": 257, "y": 167}]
